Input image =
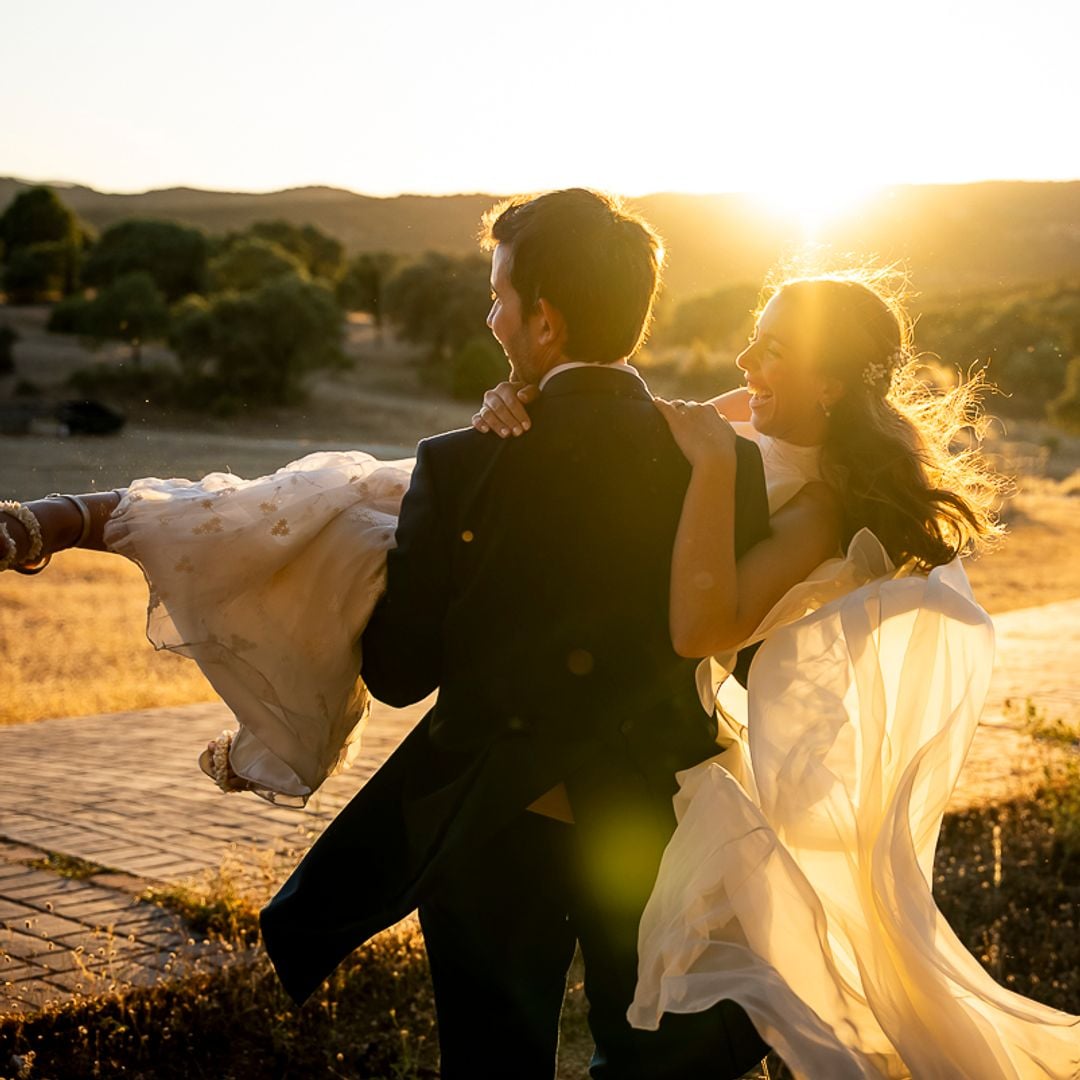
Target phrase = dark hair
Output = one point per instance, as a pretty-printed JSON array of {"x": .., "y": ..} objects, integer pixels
[
  {"x": 589, "y": 257},
  {"x": 902, "y": 456}
]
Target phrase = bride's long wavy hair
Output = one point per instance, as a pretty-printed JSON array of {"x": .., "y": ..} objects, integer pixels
[{"x": 902, "y": 455}]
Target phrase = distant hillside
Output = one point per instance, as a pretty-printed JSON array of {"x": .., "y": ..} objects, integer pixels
[{"x": 954, "y": 238}]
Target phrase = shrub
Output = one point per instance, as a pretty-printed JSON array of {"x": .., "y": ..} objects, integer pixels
[
  {"x": 477, "y": 367},
  {"x": 68, "y": 316}
]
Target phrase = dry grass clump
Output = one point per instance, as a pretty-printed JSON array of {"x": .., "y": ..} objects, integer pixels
[
  {"x": 221, "y": 1013},
  {"x": 1007, "y": 878},
  {"x": 374, "y": 1018},
  {"x": 73, "y": 643}
]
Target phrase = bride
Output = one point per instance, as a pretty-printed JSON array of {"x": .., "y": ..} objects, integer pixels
[{"x": 797, "y": 882}]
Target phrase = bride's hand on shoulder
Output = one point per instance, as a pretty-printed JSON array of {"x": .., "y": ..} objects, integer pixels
[
  {"x": 503, "y": 410},
  {"x": 703, "y": 435}
]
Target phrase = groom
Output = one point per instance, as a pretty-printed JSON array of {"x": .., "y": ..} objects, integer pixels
[{"x": 529, "y": 809}]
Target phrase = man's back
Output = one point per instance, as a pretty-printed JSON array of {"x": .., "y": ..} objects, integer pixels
[{"x": 547, "y": 602}]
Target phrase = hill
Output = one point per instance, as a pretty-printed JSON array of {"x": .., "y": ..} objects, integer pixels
[{"x": 955, "y": 238}]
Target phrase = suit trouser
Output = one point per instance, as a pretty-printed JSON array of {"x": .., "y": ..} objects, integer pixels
[{"x": 500, "y": 933}]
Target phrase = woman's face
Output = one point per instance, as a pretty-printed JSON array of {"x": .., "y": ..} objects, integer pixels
[{"x": 787, "y": 395}]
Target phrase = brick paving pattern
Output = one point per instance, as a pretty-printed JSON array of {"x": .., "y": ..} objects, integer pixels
[{"x": 124, "y": 791}]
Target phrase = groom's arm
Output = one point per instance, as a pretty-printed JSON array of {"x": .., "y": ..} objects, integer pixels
[{"x": 402, "y": 645}]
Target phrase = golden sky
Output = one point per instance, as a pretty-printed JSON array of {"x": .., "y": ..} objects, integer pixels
[{"x": 805, "y": 103}]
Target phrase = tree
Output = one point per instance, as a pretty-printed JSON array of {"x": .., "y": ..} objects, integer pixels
[
  {"x": 477, "y": 367},
  {"x": 440, "y": 301},
  {"x": 131, "y": 309},
  {"x": 321, "y": 255},
  {"x": 363, "y": 284},
  {"x": 712, "y": 319},
  {"x": 173, "y": 255},
  {"x": 257, "y": 346},
  {"x": 37, "y": 216},
  {"x": 41, "y": 239},
  {"x": 1064, "y": 410},
  {"x": 38, "y": 273},
  {"x": 250, "y": 263}
]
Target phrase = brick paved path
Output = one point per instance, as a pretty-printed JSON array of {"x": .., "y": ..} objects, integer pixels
[{"x": 124, "y": 791}]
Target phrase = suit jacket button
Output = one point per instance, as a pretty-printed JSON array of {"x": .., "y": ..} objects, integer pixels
[
  {"x": 626, "y": 727},
  {"x": 518, "y": 724}
]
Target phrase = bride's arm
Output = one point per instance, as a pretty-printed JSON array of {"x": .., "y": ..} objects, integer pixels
[
  {"x": 503, "y": 410},
  {"x": 62, "y": 523},
  {"x": 716, "y": 600},
  {"x": 734, "y": 405}
]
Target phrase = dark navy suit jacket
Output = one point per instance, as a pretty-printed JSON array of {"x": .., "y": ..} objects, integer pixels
[{"x": 530, "y": 585}]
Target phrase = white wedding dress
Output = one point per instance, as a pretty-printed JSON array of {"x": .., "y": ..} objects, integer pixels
[
  {"x": 267, "y": 584},
  {"x": 797, "y": 882}
]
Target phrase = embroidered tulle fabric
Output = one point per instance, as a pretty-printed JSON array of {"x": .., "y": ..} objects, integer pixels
[
  {"x": 267, "y": 585},
  {"x": 798, "y": 881}
]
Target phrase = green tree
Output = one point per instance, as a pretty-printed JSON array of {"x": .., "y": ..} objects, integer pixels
[
  {"x": 250, "y": 263},
  {"x": 1064, "y": 410},
  {"x": 713, "y": 319},
  {"x": 477, "y": 366},
  {"x": 321, "y": 255},
  {"x": 38, "y": 273},
  {"x": 173, "y": 255},
  {"x": 363, "y": 284},
  {"x": 257, "y": 346},
  {"x": 440, "y": 301},
  {"x": 131, "y": 309},
  {"x": 41, "y": 239}
]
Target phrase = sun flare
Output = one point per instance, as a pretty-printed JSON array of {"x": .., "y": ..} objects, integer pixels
[{"x": 812, "y": 205}]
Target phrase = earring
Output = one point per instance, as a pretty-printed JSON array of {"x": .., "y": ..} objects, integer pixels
[{"x": 825, "y": 409}]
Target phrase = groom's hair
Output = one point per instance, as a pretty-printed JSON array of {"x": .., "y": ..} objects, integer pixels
[{"x": 591, "y": 258}]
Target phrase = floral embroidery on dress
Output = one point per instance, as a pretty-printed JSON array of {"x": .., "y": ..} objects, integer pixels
[{"x": 281, "y": 527}]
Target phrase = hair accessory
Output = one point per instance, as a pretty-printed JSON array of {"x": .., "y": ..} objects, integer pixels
[
  {"x": 30, "y": 523},
  {"x": 877, "y": 372}
]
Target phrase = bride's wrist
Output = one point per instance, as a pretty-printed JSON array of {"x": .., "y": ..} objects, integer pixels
[{"x": 714, "y": 463}]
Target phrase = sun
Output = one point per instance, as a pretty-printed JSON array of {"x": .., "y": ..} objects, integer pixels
[{"x": 813, "y": 204}]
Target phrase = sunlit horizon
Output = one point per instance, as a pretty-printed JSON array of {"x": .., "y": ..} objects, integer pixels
[{"x": 792, "y": 105}]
